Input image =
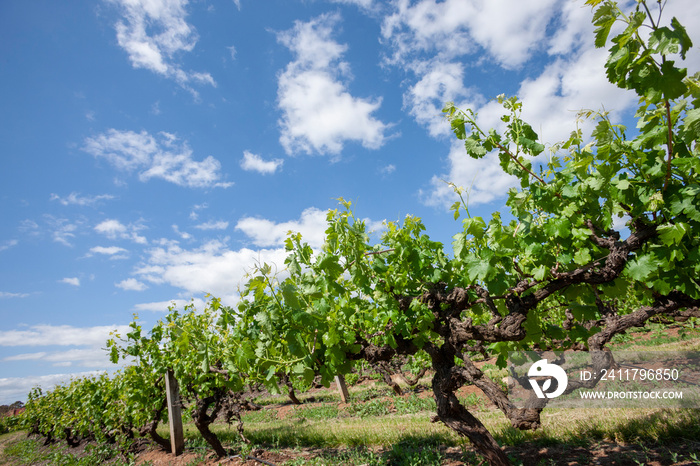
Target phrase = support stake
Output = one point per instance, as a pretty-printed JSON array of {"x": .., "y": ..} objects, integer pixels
[
  {"x": 177, "y": 438},
  {"x": 342, "y": 388}
]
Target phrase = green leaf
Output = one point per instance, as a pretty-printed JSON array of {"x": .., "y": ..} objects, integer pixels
[
  {"x": 459, "y": 128},
  {"x": 584, "y": 312},
  {"x": 582, "y": 256},
  {"x": 478, "y": 268},
  {"x": 640, "y": 268},
  {"x": 475, "y": 226},
  {"x": 558, "y": 227},
  {"x": 474, "y": 147},
  {"x": 682, "y": 37},
  {"x": 532, "y": 146},
  {"x": 539, "y": 273},
  {"x": 604, "y": 17},
  {"x": 671, "y": 82},
  {"x": 672, "y": 234},
  {"x": 331, "y": 266},
  {"x": 289, "y": 292},
  {"x": 664, "y": 41},
  {"x": 456, "y": 206},
  {"x": 692, "y": 125}
]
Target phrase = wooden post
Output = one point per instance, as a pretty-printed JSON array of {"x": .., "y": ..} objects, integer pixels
[
  {"x": 177, "y": 438},
  {"x": 342, "y": 388}
]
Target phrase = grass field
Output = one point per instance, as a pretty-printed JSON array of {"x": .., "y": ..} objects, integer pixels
[{"x": 380, "y": 428}]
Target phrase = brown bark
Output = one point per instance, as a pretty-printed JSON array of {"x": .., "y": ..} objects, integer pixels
[
  {"x": 284, "y": 378},
  {"x": 150, "y": 428},
  {"x": 460, "y": 334},
  {"x": 202, "y": 420},
  {"x": 451, "y": 412},
  {"x": 382, "y": 367},
  {"x": 413, "y": 380}
]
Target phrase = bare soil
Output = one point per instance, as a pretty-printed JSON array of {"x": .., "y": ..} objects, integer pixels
[
  {"x": 603, "y": 454},
  {"x": 597, "y": 453}
]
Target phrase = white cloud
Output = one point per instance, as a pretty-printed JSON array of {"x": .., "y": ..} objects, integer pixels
[
  {"x": 84, "y": 357},
  {"x": 84, "y": 347},
  {"x": 76, "y": 199},
  {"x": 253, "y": 162},
  {"x": 566, "y": 86},
  {"x": 483, "y": 178},
  {"x": 108, "y": 251},
  {"x": 162, "y": 306},
  {"x": 27, "y": 226},
  {"x": 17, "y": 388},
  {"x": 318, "y": 113},
  {"x": 61, "y": 335},
  {"x": 210, "y": 268},
  {"x": 131, "y": 284},
  {"x": 163, "y": 157},
  {"x": 111, "y": 228},
  {"x": 8, "y": 244},
  {"x": 155, "y": 33},
  {"x": 7, "y": 294},
  {"x": 25, "y": 356},
  {"x": 232, "y": 51},
  {"x": 219, "y": 225},
  {"x": 75, "y": 281},
  {"x": 62, "y": 229},
  {"x": 364, "y": 4},
  {"x": 508, "y": 30},
  {"x": 114, "y": 229},
  {"x": 439, "y": 82},
  {"x": 182, "y": 234},
  {"x": 312, "y": 226},
  {"x": 572, "y": 80},
  {"x": 389, "y": 169},
  {"x": 196, "y": 208}
]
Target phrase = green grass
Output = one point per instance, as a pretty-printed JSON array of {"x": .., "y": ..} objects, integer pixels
[
  {"x": 317, "y": 413},
  {"x": 379, "y": 428},
  {"x": 413, "y": 404},
  {"x": 688, "y": 339},
  {"x": 375, "y": 408}
]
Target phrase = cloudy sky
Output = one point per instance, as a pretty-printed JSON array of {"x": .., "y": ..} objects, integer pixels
[{"x": 154, "y": 150}]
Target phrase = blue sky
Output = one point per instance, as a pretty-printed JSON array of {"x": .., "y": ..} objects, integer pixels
[{"x": 153, "y": 150}]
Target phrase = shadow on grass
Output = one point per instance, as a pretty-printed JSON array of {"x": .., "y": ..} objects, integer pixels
[
  {"x": 661, "y": 427},
  {"x": 411, "y": 450},
  {"x": 568, "y": 434}
]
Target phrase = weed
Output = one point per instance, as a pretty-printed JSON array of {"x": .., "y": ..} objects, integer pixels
[
  {"x": 317, "y": 413},
  {"x": 413, "y": 404},
  {"x": 369, "y": 394},
  {"x": 412, "y": 453},
  {"x": 370, "y": 408},
  {"x": 28, "y": 451},
  {"x": 473, "y": 400},
  {"x": 352, "y": 378},
  {"x": 694, "y": 457},
  {"x": 262, "y": 415}
]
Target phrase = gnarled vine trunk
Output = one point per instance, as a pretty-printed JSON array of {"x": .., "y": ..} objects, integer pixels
[
  {"x": 202, "y": 420},
  {"x": 151, "y": 427},
  {"x": 451, "y": 412}
]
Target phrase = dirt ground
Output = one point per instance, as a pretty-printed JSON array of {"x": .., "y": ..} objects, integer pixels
[
  {"x": 604, "y": 454},
  {"x": 600, "y": 453}
]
